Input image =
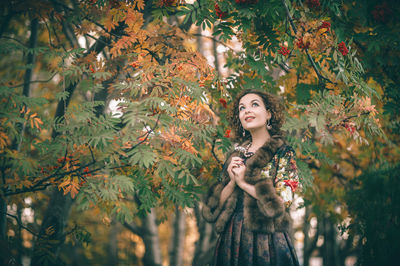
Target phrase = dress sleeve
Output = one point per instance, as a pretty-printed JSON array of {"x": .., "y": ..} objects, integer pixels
[{"x": 287, "y": 178}]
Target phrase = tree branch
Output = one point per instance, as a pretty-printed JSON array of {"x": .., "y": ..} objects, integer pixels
[
  {"x": 213, "y": 152},
  {"x": 7, "y": 19},
  {"x": 321, "y": 78},
  {"x": 135, "y": 229},
  {"x": 35, "y": 81},
  {"x": 21, "y": 225},
  {"x": 215, "y": 40}
]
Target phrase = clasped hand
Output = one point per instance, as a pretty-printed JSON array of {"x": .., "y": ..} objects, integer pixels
[{"x": 236, "y": 170}]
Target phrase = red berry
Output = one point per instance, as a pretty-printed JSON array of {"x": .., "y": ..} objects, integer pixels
[
  {"x": 219, "y": 13},
  {"x": 301, "y": 44},
  {"x": 326, "y": 25},
  {"x": 343, "y": 49},
  {"x": 313, "y": 3},
  {"x": 227, "y": 133},
  {"x": 223, "y": 102},
  {"x": 284, "y": 51},
  {"x": 381, "y": 13}
]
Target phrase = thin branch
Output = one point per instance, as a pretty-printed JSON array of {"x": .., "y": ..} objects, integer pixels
[
  {"x": 310, "y": 59},
  {"x": 213, "y": 152},
  {"x": 94, "y": 38},
  {"x": 21, "y": 225},
  {"x": 146, "y": 135},
  {"x": 218, "y": 41},
  {"x": 67, "y": 8},
  {"x": 91, "y": 153},
  {"x": 35, "y": 81},
  {"x": 14, "y": 39},
  {"x": 49, "y": 32},
  {"x": 284, "y": 67},
  {"x": 41, "y": 184}
]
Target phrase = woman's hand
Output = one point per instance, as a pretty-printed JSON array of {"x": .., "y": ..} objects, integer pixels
[
  {"x": 236, "y": 170},
  {"x": 236, "y": 162}
]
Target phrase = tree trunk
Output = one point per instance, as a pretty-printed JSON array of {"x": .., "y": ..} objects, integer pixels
[
  {"x": 204, "y": 249},
  {"x": 330, "y": 249},
  {"x": 58, "y": 210},
  {"x": 26, "y": 92},
  {"x": 18, "y": 236},
  {"x": 3, "y": 219},
  {"x": 31, "y": 57},
  {"x": 177, "y": 239},
  {"x": 215, "y": 52},
  {"x": 113, "y": 245},
  {"x": 51, "y": 234},
  {"x": 7, "y": 19},
  {"x": 30, "y": 61},
  {"x": 199, "y": 41},
  {"x": 310, "y": 244},
  {"x": 152, "y": 255}
]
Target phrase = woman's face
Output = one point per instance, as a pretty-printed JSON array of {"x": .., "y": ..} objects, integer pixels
[{"x": 252, "y": 112}]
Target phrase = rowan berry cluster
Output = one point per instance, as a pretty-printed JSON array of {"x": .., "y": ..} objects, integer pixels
[
  {"x": 343, "y": 49},
  {"x": 284, "y": 51},
  {"x": 381, "y": 13},
  {"x": 313, "y": 3},
  {"x": 219, "y": 13}
]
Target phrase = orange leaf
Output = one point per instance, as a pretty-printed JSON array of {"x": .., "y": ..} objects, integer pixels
[
  {"x": 139, "y": 4},
  {"x": 37, "y": 122},
  {"x": 4, "y": 140},
  {"x": 70, "y": 186}
]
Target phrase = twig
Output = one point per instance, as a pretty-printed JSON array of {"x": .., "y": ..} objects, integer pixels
[
  {"x": 49, "y": 32},
  {"x": 35, "y": 81},
  {"x": 40, "y": 185},
  {"x": 218, "y": 41},
  {"x": 97, "y": 39},
  {"x": 22, "y": 226},
  {"x": 91, "y": 153},
  {"x": 310, "y": 59},
  {"x": 213, "y": 152}
]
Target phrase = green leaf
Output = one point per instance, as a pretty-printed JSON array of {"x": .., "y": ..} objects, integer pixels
[
  {"x": 142, "y": 156},
  {"x": 62, "y": 95}
]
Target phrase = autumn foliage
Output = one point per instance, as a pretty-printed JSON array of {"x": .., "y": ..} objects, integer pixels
[{"x": 113, "y": 104}]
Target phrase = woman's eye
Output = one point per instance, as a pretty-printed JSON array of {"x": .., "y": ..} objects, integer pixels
[
  {"x": 241, "y": 108},
  {"x": 255, "y": 104}
]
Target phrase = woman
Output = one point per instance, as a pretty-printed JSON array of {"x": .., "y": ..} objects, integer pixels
[{"x": 248, "y": 204}]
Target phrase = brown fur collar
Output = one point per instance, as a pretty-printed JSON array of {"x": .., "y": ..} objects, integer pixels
[
  {"x": 267, "y": 214},
  {"x": 261, "y": 157}
]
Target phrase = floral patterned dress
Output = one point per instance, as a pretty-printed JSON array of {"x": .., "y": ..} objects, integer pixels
[{"x": 238, "y": 246}]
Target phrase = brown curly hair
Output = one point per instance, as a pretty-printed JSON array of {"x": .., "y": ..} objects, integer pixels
[{"x": 272, "y": 104}]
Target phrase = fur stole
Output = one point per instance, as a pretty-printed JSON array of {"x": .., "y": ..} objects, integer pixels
[{"x": 267, "y": 213}]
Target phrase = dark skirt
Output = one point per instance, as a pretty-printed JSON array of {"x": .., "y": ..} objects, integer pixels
[{"x": 237, "y": 246}]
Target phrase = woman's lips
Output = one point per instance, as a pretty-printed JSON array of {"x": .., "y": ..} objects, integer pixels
[{"x": 249, "y": 119}]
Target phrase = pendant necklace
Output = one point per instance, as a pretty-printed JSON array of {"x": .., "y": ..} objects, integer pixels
[{"x": 248, "y": 154}]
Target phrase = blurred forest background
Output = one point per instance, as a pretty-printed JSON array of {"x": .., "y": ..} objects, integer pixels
[{"x": 113, "y": 124}]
